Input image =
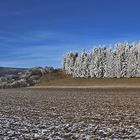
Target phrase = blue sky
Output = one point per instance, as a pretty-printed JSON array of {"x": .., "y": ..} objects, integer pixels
[{"x": 40, "y": 32}]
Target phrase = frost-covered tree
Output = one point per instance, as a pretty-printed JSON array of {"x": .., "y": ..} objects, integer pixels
[
  {"x": 109, "y": 67},
  {"x": 92, "y": 65},
  {"x": 68, "y": 62},
  {"x": 85, "y": 65},
  {"x": 97, "y": 62},
  {"x": 121, "y": 61},
  {"x": 137, "y": 45}
]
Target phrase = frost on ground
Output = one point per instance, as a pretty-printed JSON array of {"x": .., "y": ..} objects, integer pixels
[{"x": 70, "y": 114}]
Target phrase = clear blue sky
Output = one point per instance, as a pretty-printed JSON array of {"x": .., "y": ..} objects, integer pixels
[{"x": 40, "y": 32}]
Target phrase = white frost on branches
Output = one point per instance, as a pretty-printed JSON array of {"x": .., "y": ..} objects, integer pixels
[{"x": 122, "y": 61}]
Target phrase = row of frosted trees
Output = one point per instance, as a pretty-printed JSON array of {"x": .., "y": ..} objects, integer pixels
[{"x": 121, "y": 61}]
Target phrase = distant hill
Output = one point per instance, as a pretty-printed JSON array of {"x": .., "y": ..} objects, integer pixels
[{"x": 8, "y": 71}]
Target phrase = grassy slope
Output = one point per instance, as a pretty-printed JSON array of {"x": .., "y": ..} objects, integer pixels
[{"x": 58, "y": 78}]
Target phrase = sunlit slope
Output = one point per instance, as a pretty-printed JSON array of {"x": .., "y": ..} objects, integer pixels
[{"x": 59, "y": 78}]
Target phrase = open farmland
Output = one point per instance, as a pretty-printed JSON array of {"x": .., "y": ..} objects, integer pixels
[{"x": 109, "y": 113}]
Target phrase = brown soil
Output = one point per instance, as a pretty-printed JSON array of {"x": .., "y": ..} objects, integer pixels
[{"x": 70, "y": 113}]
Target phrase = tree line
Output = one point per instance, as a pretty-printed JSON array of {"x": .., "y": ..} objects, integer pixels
[{"x": 121, "y": 61}]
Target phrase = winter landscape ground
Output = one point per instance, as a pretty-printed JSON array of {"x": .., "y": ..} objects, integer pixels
[
  {"x": 61, "y": 107},
  {"x": 70, "y": 114}
]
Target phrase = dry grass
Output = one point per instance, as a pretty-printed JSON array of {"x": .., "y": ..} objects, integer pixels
[{"x": 59, "y": 78}]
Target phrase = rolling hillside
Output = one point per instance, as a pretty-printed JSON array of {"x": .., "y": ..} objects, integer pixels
[{"x": 59, "y": 78}]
